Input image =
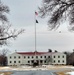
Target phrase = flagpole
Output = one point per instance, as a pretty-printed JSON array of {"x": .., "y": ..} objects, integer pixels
[{"x": 35, "y": 34}]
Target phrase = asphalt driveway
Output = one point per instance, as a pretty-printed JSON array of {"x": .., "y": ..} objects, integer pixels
[{"x": 36, "y": 72}]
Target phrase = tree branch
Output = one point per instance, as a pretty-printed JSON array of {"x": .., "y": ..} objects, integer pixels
[{"x": 13, "y": 35}]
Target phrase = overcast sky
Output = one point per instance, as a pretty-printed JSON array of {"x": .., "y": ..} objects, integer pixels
[{"x": 22, "y": 16}]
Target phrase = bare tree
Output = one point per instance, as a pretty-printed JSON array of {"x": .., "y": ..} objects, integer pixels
[
  {"x": 49, "y": 60},
  {"x": 55, "y": 51},
  {"x": 58, "y": 10},
  {"x": 49, "y": 50},
  {"x": 70, "y": 58},
  {"x": 3, "y": 57},
  {"x": 4, "y": 52},
  {"x": 6, "y": 32}
]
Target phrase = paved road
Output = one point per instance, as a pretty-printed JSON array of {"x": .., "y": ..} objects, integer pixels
[{"x": 36, "y": 72}]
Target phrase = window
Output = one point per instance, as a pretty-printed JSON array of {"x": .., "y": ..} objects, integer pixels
[
  {"x": 58, "y": 56},
  {"x": 36, "y": 56},
  {"x": 28, "y": 57},
  {"x": 10, "y": 57},
  {"x": 24, "y": 57},
  {"x": 63, "y": 61},
  {"x": 62, "y": 56},
  {"x": 54, "y": 61},
  {"x": 48, "y": 56},
  {"x": 28, "y": 61},
  {"x": 14, "y": 61},
  {"x": 41, "y": 57},
  {"x": 44, "y": 56},
  {"x": 32, "y": 61},
  {"x": 41, "y": 61},
  {"x": 58, "y": 61},
  {"x": 10, "y": 61},
  {"x": 18, "y": 61},
  {"x": 14, "y": 56},
  {"x": 54, "y": 56},
  {"x": 19, "y": 57},
  {"x": 32, "y": 57},
  {"x": 45, "y": 61}
]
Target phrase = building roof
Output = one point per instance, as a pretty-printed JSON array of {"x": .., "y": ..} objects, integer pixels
[{"x": 32, "y": 53}]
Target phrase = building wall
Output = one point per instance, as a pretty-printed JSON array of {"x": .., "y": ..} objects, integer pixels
[
  {"x": 59, "y": 58},
  {"x": 18, "y": 59},
  {"x": 15, "y": 59},
  {"x": 28, "y": 59}
]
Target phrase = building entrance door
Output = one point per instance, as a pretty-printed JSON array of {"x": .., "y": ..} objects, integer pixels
[{"x": 36, "y": 63}]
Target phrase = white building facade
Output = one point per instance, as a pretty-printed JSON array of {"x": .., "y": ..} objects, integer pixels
[{"x": 42, "y": 58}]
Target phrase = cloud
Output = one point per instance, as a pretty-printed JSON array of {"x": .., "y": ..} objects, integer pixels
[{"x": 22, "y": 16}]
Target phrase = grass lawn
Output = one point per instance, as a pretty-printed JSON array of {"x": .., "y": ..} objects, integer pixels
[
  {"x": 63, "y": 73},
  {"x": 5, "y": 73}
]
